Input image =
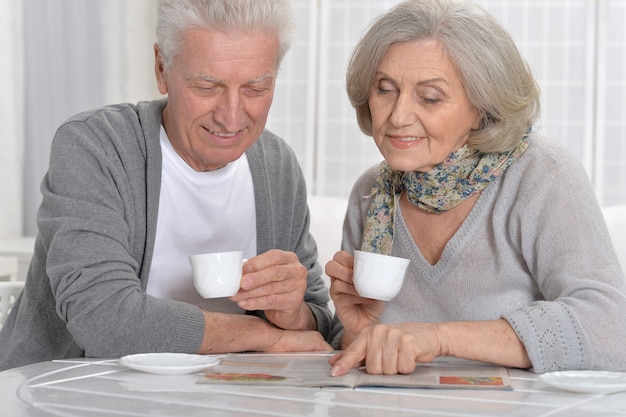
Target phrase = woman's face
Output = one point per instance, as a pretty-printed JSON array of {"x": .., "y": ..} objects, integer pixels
[{"x": 420, "y": 111}]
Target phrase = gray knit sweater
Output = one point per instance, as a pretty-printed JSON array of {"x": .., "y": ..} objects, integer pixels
[
  {"x": 534, "y": 250},
  {"x": 85, "y": 289}
]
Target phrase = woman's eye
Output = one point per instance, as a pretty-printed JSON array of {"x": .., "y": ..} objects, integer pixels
[
  {"x": 430, "y": 100},
  {"x": 385, "y": 87}
]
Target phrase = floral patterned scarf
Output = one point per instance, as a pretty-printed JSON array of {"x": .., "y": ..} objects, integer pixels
[{"x": 464, "y": 173}]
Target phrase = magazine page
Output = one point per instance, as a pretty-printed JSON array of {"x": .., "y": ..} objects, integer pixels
[
  {"x": 295, "y": 369},
  {"x": 313, "y": 370},
  {"x": 443, "y": 373}
]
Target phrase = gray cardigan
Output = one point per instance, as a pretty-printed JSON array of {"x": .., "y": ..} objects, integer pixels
[
  {"x": 85, "y": 289},
  {"x": 534, "y": 250}
]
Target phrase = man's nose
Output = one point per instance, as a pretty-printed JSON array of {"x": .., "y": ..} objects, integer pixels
[{"x": 229, "y": 111}]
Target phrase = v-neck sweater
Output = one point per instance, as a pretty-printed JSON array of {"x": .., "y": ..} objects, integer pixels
[{"x": 534, "y": 250}]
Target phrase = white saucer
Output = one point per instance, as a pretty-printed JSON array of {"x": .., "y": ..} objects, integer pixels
[
  {"x": 595, "y": 382},
  {"x": 168, "y": 363}
]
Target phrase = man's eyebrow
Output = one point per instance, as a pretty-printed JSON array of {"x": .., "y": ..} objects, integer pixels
[
  {"x": 204, "y": 77},
  {"x": 261, "y": 78},
  {"x": 208, "y": 78}
]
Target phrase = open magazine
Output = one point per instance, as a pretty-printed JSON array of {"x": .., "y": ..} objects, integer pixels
[{"x": 313, "y": 370}]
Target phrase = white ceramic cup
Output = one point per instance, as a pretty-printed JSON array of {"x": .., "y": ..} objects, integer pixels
[
  {"x": 217, "y": 274},
  {"x": 378, "y": 276}
]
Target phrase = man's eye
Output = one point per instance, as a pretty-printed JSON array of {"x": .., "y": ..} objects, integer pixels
[
  {"x": 256, "y": 91},
  {"x": 204, "y": 89}
]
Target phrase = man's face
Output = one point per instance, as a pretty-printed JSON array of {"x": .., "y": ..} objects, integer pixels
[{"x": 220, "y": 88}]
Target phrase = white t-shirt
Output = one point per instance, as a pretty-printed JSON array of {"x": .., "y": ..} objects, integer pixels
[{"x": 199, "y": 212}]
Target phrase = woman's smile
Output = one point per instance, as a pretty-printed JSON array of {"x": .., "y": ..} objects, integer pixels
[{"x": 405, "y": 142}]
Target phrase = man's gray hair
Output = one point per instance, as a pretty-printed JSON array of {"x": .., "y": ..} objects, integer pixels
[{"x": 177, "y": 16}]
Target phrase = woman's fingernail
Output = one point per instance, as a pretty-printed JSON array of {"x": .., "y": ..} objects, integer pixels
[{"x": 334, "y": 371}]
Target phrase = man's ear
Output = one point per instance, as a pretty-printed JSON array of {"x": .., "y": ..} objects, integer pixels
[{"x": 159, "y": 70}]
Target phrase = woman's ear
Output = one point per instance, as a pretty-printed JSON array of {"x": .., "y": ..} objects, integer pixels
[{"x": 478, "y": 121}]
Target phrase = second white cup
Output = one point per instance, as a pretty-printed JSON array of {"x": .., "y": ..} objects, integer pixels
[
  {"x": 217, "y": 274},
  {"x": 378, "y": 276}
]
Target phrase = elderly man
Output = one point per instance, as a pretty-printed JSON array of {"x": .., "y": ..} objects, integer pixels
[{"x": 133, "y": 190}]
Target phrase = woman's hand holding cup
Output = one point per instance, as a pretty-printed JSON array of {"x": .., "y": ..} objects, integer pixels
[{"x": 356, "y": 312}]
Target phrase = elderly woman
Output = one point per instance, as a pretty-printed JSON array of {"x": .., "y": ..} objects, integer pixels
[{"x": 511, "y": 262}]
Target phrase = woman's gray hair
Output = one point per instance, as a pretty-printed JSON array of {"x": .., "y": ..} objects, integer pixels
[
  {"x": 497, "y": 79},
  {"x": 177, "y": 16}
]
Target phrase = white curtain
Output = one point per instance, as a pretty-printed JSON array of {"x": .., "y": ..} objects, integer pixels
[
  {"x": 79, "y": 55},
  {"x": 11, "y": 119},
  {"x": 127, "y": 39}
]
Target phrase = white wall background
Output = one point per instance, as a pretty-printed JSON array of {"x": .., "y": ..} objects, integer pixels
[
  {"x": 11, "y": 118},
  {"x": 64, "y": 56}
]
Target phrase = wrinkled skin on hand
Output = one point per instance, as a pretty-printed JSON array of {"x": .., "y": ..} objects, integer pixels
[
  {"x": 389, "y": 349},
  {"x": 355, "y": 312},
  {"x": 276, "y": 282}
]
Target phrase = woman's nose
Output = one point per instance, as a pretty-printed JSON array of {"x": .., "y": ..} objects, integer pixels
[{"x": 404, "y": 112}]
